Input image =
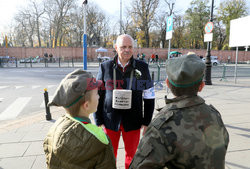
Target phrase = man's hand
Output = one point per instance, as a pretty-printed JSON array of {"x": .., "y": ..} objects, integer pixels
[{"x": 144, "y": 129}]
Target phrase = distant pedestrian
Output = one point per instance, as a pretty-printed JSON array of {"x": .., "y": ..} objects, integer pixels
[
  {"x": 156, "y": 57},
  {"x": 229, "y": 59},
  {"x": 46, "y": 59},
  {"x": 73, "y": 142},
  {"x": 138, "y": 56},
  {"x": 186, "y": 133},
  {"x": 50, "y": 57},
  {"x": 153, "y": 58}
]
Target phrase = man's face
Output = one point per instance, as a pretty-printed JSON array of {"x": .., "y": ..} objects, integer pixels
[{"x": 124, "y": 48}]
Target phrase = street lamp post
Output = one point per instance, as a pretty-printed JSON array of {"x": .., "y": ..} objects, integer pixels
[
  {"x": 120, "y": 17},
  {"x": 85, "y": 36},
  {"x": 208, "y": 58}
]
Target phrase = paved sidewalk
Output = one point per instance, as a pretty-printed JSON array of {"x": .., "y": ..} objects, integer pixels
[{"x": 21, "y": 139}]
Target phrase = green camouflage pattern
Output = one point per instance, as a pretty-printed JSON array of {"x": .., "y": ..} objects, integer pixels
[{"x": 185, "y": 134}]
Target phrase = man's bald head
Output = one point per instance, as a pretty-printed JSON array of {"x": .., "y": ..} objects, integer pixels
[
  {"x": 124, "y": 48},
  {"x": 121, "y": 37}
]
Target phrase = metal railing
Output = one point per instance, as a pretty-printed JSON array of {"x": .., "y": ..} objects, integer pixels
[{"x": 157, "y": 68}]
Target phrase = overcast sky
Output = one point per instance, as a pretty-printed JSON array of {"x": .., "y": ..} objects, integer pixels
[{"x": 8, "y": 8}]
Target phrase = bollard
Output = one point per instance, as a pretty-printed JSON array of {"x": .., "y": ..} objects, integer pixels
[
  {"x": 224, "y": 73},
  {"x": 153, "y": 76},
  {"x": 30, "y": 62},
  {"x": 159, "y": 71},
  {"x": 16, "y": 61},
  {"x": 46, "y": 100},
  {"x": 72, "y": 62},
  {"x": 59, "y": 62}
]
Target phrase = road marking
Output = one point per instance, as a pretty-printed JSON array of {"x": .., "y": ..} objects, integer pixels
[
  {"x": 36, "y": 86},
  {"x": 15, "y": 108},
  {"x": 18, "y": 87},
  {"x": 2, "y": 87},
  {"x": 50, "y": 86},
  {"x": 43, "y": 103}
]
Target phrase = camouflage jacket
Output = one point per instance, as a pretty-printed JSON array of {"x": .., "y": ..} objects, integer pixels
[{"x": 185, "y": 134}]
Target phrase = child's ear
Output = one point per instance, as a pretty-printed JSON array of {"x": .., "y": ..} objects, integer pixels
[
  {"x": 85, "y": 105},
  {"x": 201, "y": 86},
  {"x": 167, "y": 82}
]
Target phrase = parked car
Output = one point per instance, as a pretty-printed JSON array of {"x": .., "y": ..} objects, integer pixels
[
  {"x": 103, "y": 58},
  {"x": 175, "y": 54},
  {"x": 214, "y": 60},
  {"x": 33, "y": 60}
]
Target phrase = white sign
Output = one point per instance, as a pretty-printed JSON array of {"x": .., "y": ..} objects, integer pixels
[
  {"x": 169, "y": 30},
  {"x": 169, "y": 35},
  {"x": 208, "y": 37},
  {"x": 239, "y": 32},
  {"x": 122, "y": 99}
]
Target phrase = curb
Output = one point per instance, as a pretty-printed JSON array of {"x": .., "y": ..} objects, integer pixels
[{"x": 29, "y": 119}]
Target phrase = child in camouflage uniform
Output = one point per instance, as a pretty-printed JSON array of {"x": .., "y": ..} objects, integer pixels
[
  {"x": 186, "y": 133},
  {"x": 73, "y": 142}
]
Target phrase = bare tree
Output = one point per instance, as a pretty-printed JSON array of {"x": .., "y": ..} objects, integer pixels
[
  {"x": 97, "y": 25},
  {"x": 37, "y": 10},
  {"x": 59, "y": 10},
  {"x": 165, "y": 10},
  {"x": 143, "y": 12},
  {"x": 26, "y": 21}
]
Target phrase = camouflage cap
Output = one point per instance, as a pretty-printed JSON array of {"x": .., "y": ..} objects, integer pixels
[
  {"x": 185, "y": 71},
  {"x": 73, "y": 87}
]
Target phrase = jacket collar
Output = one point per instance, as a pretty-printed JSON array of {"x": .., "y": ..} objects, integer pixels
[
  {"x": 83, "y": 119},
  {"x": 183, "y": 102},
  {"x": 131, "y": 61}
]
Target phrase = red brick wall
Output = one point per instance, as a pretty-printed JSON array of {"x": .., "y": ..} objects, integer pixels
[{"x": 65, "y": 52}]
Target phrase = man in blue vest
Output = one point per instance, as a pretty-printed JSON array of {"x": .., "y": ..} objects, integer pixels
[{"x": 126, "y": 85}]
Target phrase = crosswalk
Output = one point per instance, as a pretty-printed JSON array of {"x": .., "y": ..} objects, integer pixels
[
  {"x": 29, "y": 98},
  {"x": 15, "y": 108},
  {"x": 2, "y": 87}
]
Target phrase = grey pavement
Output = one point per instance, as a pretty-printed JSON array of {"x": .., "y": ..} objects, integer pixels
[{"x": 21, "y": 139}]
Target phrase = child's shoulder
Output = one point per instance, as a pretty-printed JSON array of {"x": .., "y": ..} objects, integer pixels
[{"x": 89, "y": 129}]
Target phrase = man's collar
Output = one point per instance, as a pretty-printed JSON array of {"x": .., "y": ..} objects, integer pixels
[
  {"x": 131, "y": 61},
  {"x": 120, "y": 64}
]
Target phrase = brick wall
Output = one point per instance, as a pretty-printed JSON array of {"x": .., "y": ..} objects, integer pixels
[{"x": 66, "y": 52}]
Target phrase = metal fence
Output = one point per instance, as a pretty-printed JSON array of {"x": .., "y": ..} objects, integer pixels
[
  {"x": 9, "y": 62},
  {"x": 157, "y": 69}
]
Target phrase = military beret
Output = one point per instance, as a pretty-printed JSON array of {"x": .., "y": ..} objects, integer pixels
[
  {"x": 73, "y": 87},
  {"x": 185, "y": 71}
]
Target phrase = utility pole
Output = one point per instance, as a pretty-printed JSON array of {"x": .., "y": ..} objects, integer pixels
[
  {"x": 84, "y": 35},
  {"x": 120, "y": 17},
  {"x": 208, "y": 58}
]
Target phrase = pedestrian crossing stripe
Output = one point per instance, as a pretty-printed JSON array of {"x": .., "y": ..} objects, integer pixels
[
  {"x": 2, "y": 87},
  {"x": 15, "y": 108},
  {"x": 50, "y": 86},
  {"x": 37, "y": 86},
  {"x": 18, "y": 87}
]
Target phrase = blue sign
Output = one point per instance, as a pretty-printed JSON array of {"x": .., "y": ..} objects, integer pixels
[{"x": 170, "y": 23}]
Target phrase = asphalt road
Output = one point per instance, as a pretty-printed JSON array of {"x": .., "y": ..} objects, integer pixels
[{"x": 22, "y": 89}]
